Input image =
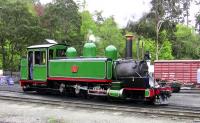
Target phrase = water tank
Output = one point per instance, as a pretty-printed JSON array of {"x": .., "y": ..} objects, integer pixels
[
  {"x": 71, "y": 52},
  {"x": 89, "y": 50},
  {"x": 111, "y": 52},
  {"x": 198, "y": 76}
]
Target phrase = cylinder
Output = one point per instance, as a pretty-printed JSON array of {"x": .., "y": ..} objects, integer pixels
[
  {"x": 115, "y": 93},
  {"x": 128, "y": 52}
]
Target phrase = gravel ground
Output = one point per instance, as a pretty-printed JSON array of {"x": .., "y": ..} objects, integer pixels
[
  {"x": 15, "y": 87},
  {"x": 182, "y": 99},
  {"x": 12, "y": 112},
  {"x": 185, "y": 99}
]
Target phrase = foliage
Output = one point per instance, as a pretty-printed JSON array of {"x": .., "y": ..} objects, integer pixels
[
  {"x": 109, "y": 34},
  {"x": 145, "y": 27},
  {"x": 27, "y": 22},
  {"x": 88, "y": 25},
  {"x": 188, "y": 44},
  {"x": 63, "y": 21},
  {"x": 198, "y": 21},
  {"x": 160, "y": 25},
  {"x": 18, "y": 29},
  {"x": 165, "y": 52}
]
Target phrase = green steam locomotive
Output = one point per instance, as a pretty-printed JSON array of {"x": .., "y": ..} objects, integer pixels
[{"x": 57, "y": 67}]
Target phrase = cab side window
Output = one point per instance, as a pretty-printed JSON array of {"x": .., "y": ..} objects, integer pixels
[
  {"x": 40, "y": 57},
  {"x": 50, "y": 54},
  {"x": 60, "y": 53}
]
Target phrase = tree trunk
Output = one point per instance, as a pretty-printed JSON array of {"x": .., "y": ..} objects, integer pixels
[
  {"x": 11, "y": 60},
  {"x": 157, "y": 44},
  {"x": 3, "y": 56}
]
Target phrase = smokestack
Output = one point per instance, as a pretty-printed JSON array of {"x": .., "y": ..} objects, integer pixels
[{"x": 128, "y": 52}]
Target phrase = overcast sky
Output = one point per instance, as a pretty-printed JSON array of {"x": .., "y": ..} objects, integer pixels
[{"x": 123, "y": 10}]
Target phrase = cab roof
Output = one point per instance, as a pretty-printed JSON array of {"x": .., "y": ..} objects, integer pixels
[{"x": 43, "y": 46}]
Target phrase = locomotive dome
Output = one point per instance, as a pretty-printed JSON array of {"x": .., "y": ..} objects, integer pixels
[
  {"x": 71, "y": 52},
  {"x": 89, "y": 50},
  {"x": 111, "y": 52}
]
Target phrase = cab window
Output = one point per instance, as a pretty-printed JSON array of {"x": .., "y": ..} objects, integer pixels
[
  {"x": 60, "y": 53},
  {"x": 40, "y": 57},
  {"x": 50, "y": 54}
]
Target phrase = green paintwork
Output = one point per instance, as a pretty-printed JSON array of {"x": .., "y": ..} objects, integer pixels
[
  {"x": 40, "y": 72},
  {"x": 71, "y": 52},
  {"x": 89, "y": 50},
  {"x": 114, "y": 93},
  {"x": 109, "y": 69},
  {"x": 116, "y": 85},
  {"x": 95, "y": 69},
  {"x": 91, "y": 68},
  {"x": 111, "y": 52},
  {"x": 24, "y": 69},
  {"x": 57, "y": 47},
  {"x": 147, "y": 93}
]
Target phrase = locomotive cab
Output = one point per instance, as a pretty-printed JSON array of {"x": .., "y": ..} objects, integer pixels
[{"x": 35, "y": 66}]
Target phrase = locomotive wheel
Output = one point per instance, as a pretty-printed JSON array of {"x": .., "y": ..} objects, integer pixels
[
  {"x": 40, "y": 91},
  {"x": 62, "y": 89},
  {"x": 26, "y": 88},
  {"x": 161, "y": 100},
  {"x": 151, "y": 101},
  {"x": 77, "y": 90}
]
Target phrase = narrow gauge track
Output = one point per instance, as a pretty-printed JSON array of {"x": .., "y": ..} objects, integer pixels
[{"x": 169, "y": 111}]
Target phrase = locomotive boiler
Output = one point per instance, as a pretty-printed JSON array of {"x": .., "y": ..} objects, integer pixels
[{"x": 57, "y": 67}]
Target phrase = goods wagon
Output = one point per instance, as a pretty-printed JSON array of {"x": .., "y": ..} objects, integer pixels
[{"x": 183, "y": 71}]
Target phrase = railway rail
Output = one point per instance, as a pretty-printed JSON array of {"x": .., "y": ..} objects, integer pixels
[{"x": 167, "y": 111}]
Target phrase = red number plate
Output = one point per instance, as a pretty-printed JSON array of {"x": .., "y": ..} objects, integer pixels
[{"x": 74, "y": 69}]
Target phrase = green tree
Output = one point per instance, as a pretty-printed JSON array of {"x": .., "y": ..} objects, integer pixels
[
  {"x": 197, "y": 25},
  {"x": 188, "y": 44},
  {"x": 165, "y": 52},
  {"x": 18, "y": 29},
  {"x": 110, "y": 34},
  {"x": 63, "y": 22},
  {"x": 88, "y": 25},
  {"x": 145, "y": 26},
  {"x": 164, "y": 16}
]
